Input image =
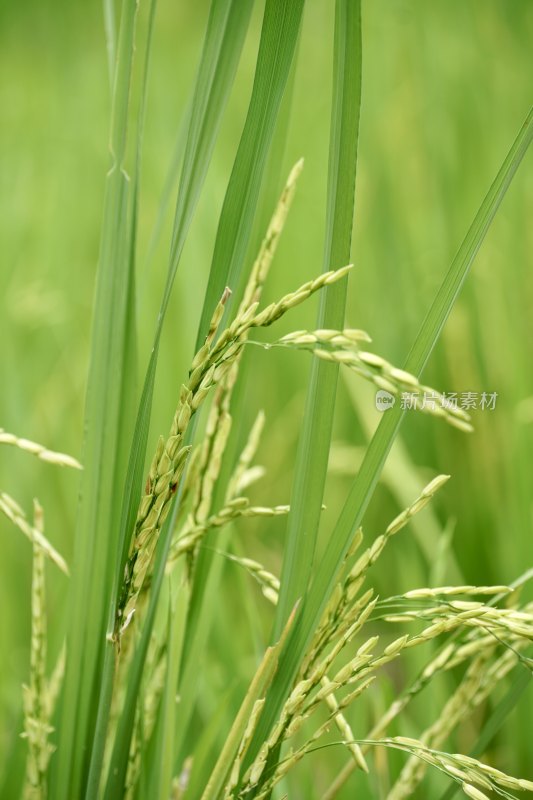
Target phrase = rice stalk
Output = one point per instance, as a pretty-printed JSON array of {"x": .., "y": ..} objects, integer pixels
[
  {"x": 468, "y": 772},
  {"x": 243, "y": 727},
  {"x": 294, "y": 757},
  {"x": 480, "y": 679},
  {"x": 43, "y": 453},
  {"x": 244, "y": 474},
  {"x": 13, "y": 512},
  {"x": 145, "y": 717},
  {"x": 345, "y": 617},
  {"x": 206, "y": 472},
  {"x": 165, "y": 472},
  {"x": 36, "y": 700},
  {"x": 268, "y": 582},
  {"x": 192, "y": 534},
  {"x": 343, "y": 347},
  {"x": 270, "y": 588},
  {"x": 55, "y": 681},
  {"x": 337, "y": 614},
  {"x": 215, "y": 360},
  {"x": 451, "y": 655}
]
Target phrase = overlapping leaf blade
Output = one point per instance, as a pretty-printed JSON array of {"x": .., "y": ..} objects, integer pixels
[
  {"x": 106, "y": 435},
  {"x": 313, "y": 448},
  {"x": 279, "y": 39},
  {"x": 279, "y": 35},
  {"x": 376, "y": 454}
]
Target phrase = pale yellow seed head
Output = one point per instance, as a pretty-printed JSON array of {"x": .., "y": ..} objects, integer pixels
[
  {"x": 406, "y": 741},
  {"x": 384, "y": 383},
  {"x": 374, "y": 360},
  {"x": 471, "y": 791},
  {"x": 404, "y": 377},
  {"x": 397, "y": 645},
  {"x": 355, "y": 335},
  {"x": 434, "y": 485},
  {"x": 368, "y": 645}
]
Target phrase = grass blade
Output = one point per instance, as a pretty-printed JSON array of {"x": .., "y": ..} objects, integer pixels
[
  {"x": 313, "y": 448},
  {"x": 130, "y": 368},
  {"x": 105, "y": 428},
  {"x": 256, "y": 690},
  {"x": 227, "y": 25},
  {"x": 365, "y": 482},
  {"x": 279, "y": 35},
  {"x": 110, "y": 37},
  {"x": 276, "y": 51}
]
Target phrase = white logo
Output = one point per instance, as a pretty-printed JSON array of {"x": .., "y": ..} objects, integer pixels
[{"x": 384, "y": 400}]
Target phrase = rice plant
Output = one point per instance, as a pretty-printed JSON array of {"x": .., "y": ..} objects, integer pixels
[{"x": 195, "y": 657}]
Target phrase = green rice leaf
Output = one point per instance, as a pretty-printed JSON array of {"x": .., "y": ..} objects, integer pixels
[
  {"x": 130, "y": 368},
  {"x": 110, "y": 36},
  {"x": 226, "y": 28},
  {"x": 260, "y": 682},
  {"x": 106, "y": 435},
  {"x": 314, "y": 443},
  {"x": 223, "y": 43},
  {"x": 362, "y": 489},
  {"x": 278, "y": 41},
  {"x": 279, "y": 35}
]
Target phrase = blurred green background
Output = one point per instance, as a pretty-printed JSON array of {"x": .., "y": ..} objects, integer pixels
[{"x": 446, "y": 86}]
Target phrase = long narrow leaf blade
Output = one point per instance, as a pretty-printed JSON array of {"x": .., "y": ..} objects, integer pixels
[
  {"x": 222, "y": 47},
  {"x": 105, "y": 682},
  {"x": 313, "y": 448},
  {"x": 260, "y": 682},
  {"x": 279, "y": 38},
  {"x": 376, "y": 454},
  {"x": 279, "y": 35},
  {"x": 226, "y": 28},
  {"x": 108, "y": 385}
]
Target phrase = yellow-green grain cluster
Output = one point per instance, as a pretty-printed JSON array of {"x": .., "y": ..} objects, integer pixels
[
  {"x": 343, "y": 347},
  {"x": 212, "y": 366},
  {"x": 37, "y": 701},
  {"x": 13, "y": 512},
  {"x": 38, "y": 450}
]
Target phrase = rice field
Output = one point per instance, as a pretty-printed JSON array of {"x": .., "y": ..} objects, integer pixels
[{"x": 266, "y": 409}]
